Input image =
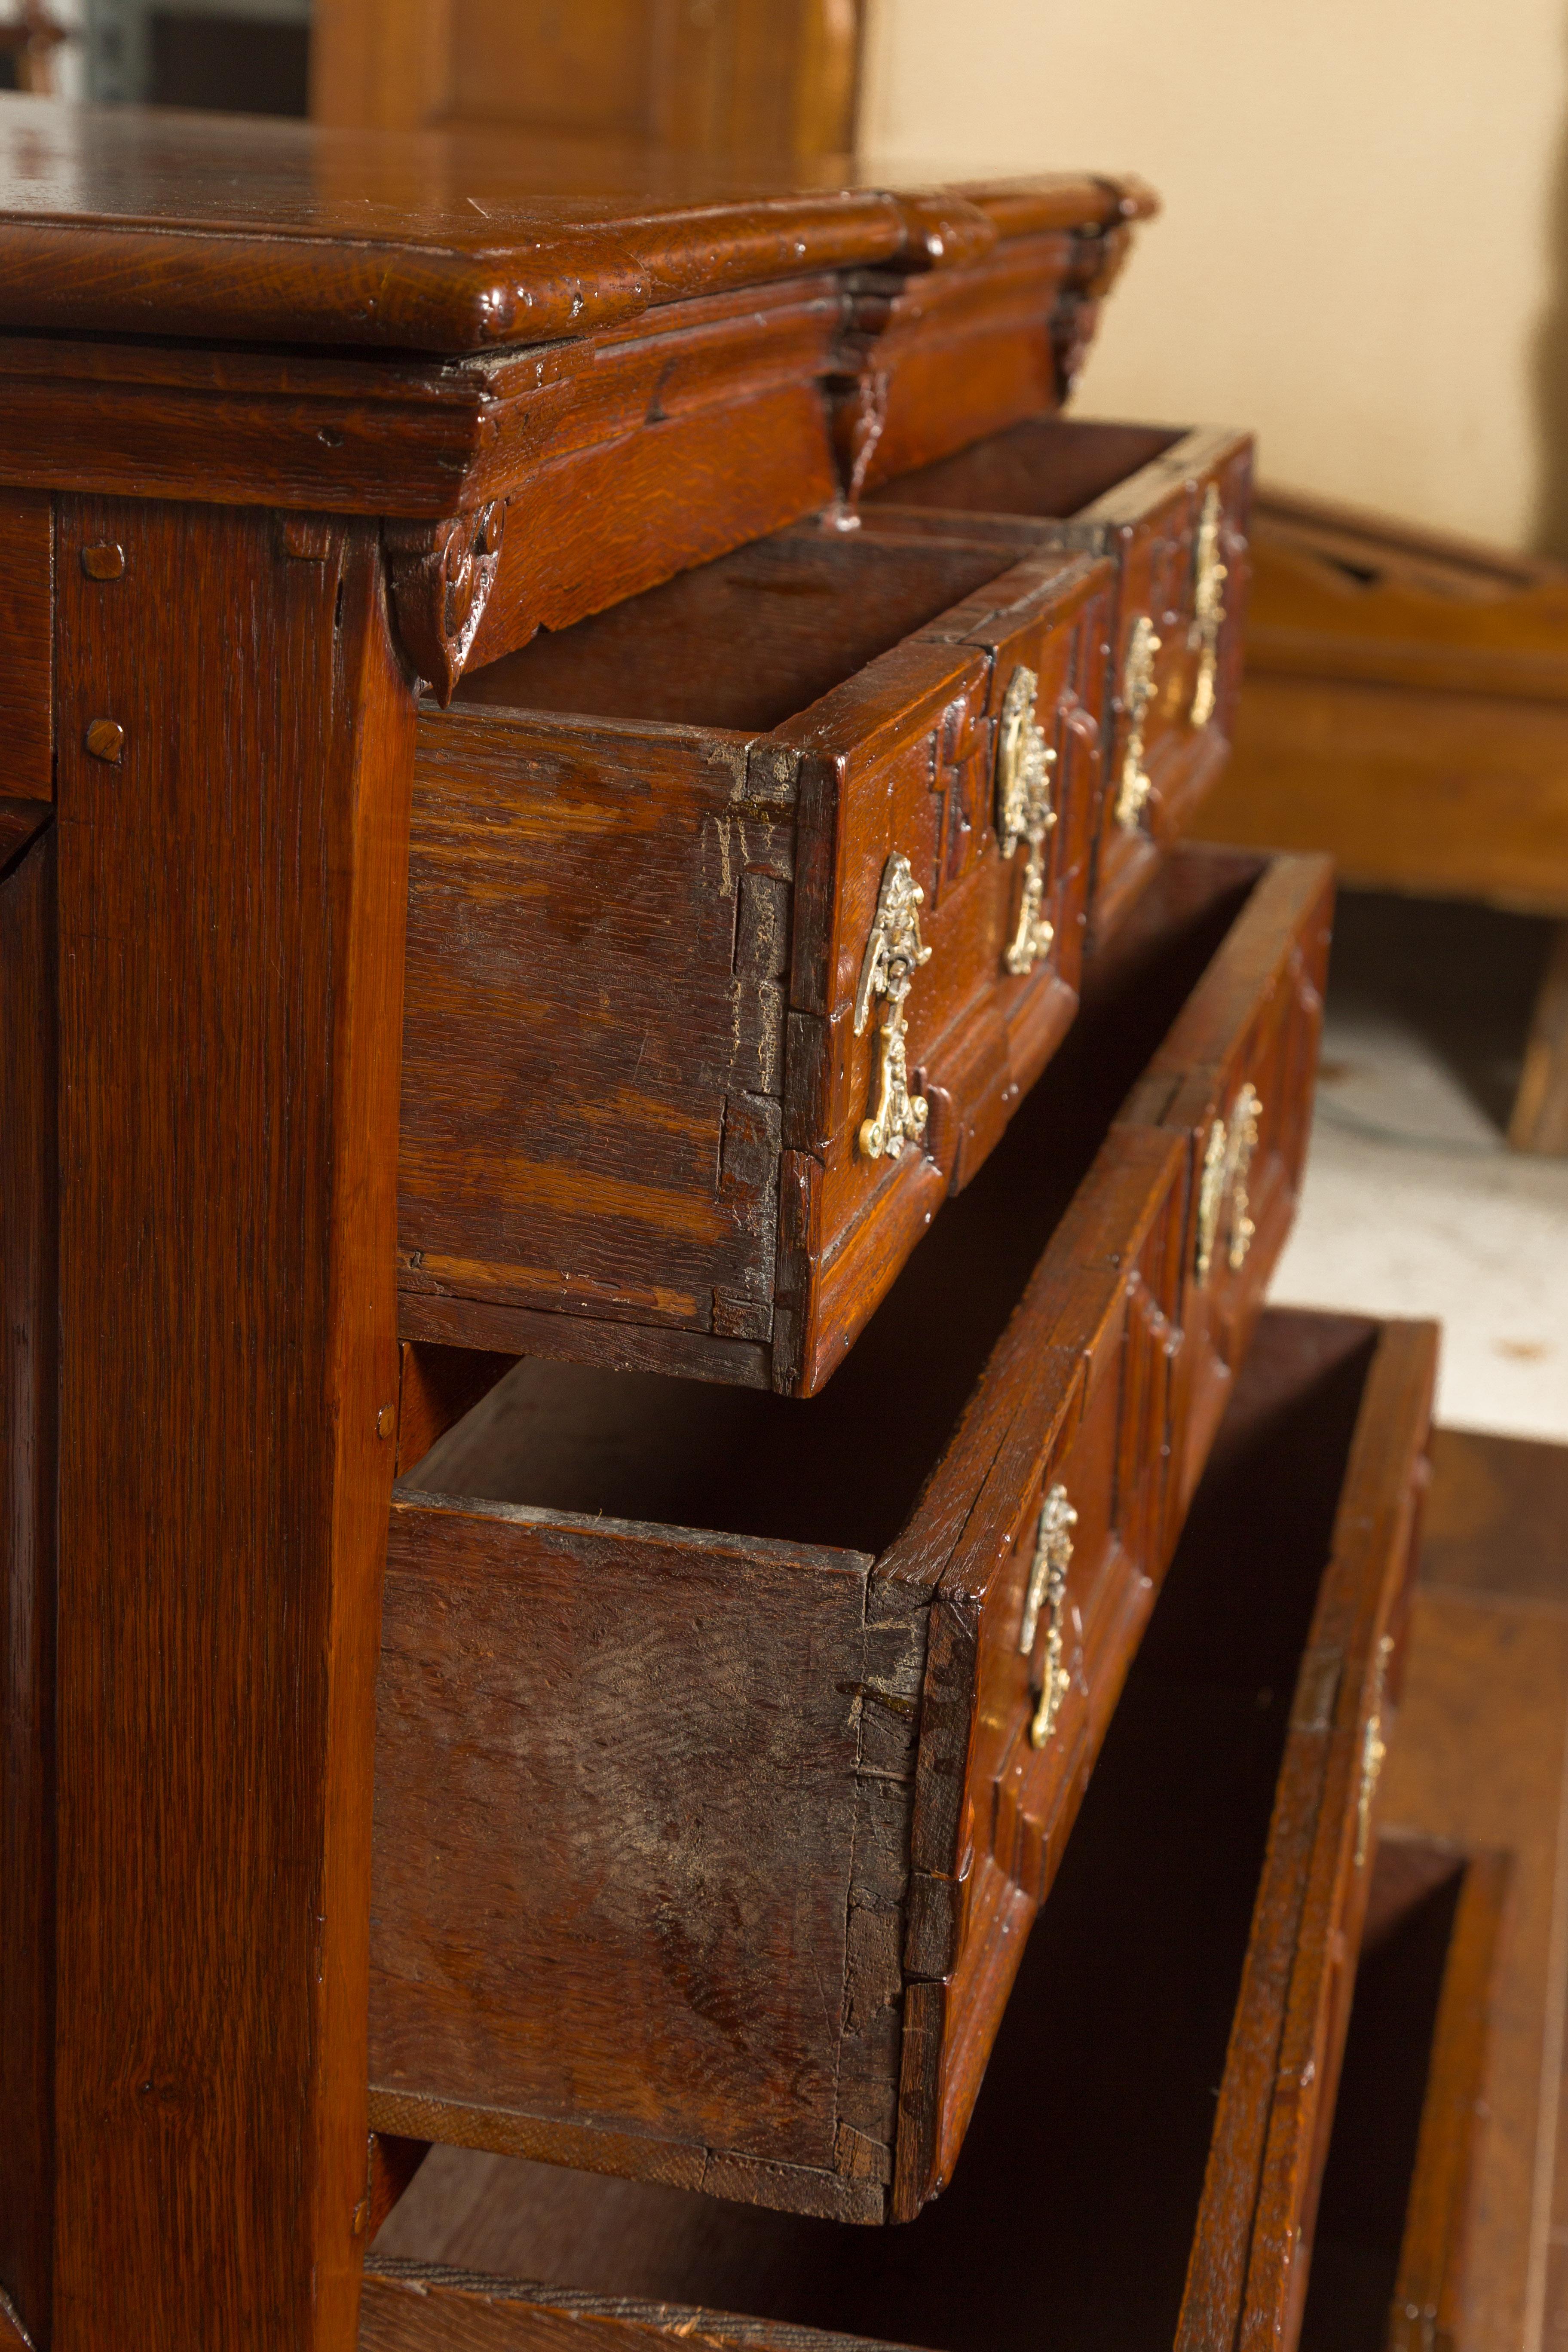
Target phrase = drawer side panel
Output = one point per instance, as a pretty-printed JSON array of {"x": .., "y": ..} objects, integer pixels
[
  {"x": 593, "y": 1040},
  {"x": 619, "y": 1849}
]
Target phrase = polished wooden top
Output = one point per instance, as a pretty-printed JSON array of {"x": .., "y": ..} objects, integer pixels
[{"x": 238, "y": 229}]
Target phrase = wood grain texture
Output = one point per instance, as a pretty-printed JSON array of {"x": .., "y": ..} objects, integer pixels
[
  {"x": 436, "y": 1387},
  {"x": 1455, "y": 795},
  {"x": 393, "y": 2164},
  {"x": 777, "y": 80},
  {"x": 475, "y": 241},
  {"x": 26, "y": 645},
  {"x": 29, "y": 1369},
  {"x": 1480, "y": 1761},
  {"x": 1085, "y": 2160},
  {"x": 1044, "y": 1311},
  {"x": 1403, "y": 709},
  {"x": 646, "y": 856},
  {"x": 1539, "y": 1122},
  {"x": 1134, "y": 493},
  {"x": 419, "y": 2307},
  {"x": 231, "y": 908}
]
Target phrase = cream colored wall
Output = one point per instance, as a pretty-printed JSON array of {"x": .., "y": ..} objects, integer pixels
[{"x": 1364, "y": 251}]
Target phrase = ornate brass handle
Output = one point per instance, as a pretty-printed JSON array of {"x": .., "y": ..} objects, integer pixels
[
  {"x": 1374, "y": 1753},
  {"x": 1209, "y": 576},
  {"x": 1048, "y": 1590},
  {"x": 894, "y": 954},
  {"x": 1227, "y": 1162},
  {"x": 1137, "y": 693},
  {"x": 1024, "y": 813}
]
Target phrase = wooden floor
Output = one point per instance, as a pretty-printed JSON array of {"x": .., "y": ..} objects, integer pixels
[{"x": 1480, "y": 1758}]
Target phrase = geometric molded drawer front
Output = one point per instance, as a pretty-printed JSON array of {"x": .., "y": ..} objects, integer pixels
[
  {"x": 727, "y": 1744},
  {"x": 1202, "y": 1939},
  {"x": 741, "y": 918},
  {"x": 1172, "y": 512}
]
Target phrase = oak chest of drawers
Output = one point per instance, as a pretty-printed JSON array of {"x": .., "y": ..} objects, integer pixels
[{"x": 589, "y": 781}]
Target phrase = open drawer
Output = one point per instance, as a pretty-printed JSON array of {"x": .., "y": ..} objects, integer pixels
[
  {"x": 753, "y": 1729},
  {"x": 1202, "y": 1934},
  {"x": 741, "y": 916},
  {"x": 1172, "y": 507}
]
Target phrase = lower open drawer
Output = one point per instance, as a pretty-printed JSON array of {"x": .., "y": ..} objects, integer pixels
[{"x": 1202, "y": 1932}]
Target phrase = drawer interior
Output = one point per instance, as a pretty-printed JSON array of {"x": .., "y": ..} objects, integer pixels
[
  {"x": 1047, "y": 468},
  {"x": 744, "y": 643},
  {"x": 1072, "y": 2211},
  {"x": 845, "y": 1468}
]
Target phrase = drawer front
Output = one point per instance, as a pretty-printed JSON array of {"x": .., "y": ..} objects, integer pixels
[
  {"x": 1038, "y": 1612},
  {"x": 1236, "y": 1076},
  {"x": 989, "y": 799},
  {"x": 1178, "y": 528},
  {"x": 1247, "y": 2277},
  {"x": 1203, "y": 1933}
]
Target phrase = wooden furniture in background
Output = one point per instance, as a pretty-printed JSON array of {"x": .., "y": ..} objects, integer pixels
[
  {"x": 1405, "y": 708},
  {"x": 761, "y": 82},
  {"x": 1396, "y": 2221},
  {"x": 29, "y": 42}
]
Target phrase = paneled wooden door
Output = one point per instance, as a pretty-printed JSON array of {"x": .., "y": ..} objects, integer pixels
[{"x": 773, "y": 79}]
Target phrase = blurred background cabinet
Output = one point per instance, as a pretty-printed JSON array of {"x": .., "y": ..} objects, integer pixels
[{"x": 774, "y": 81}]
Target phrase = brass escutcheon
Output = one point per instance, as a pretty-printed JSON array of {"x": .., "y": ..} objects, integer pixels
[
  {"x": 894, "y": 954},
  {"x": 1137, "y": 693},
  {"x": 1024, "y": 813},
  {"x": 1047, "y": 1592},
  {"x": 1209, "y": 576},
  {"x": 1222, "y": 1186}
]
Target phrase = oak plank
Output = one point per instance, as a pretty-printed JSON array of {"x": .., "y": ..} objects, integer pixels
[
  {"x": 29, "y": 1368},
  {"x": 232, "y": 899},
  {"x": 26, "y": 647}
]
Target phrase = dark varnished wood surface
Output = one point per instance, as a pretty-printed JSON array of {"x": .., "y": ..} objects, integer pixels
[
  {"x": 28, "y": 1376},
  {"x": 27, "y": 653},
  {"x": 232, "y": 893},
  {"x": 439, "y": 242},
  {"x": 1221, "y": 1790}
]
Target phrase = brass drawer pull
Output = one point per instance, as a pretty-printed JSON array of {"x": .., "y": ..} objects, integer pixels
[
  {"x": 894, "y": 954},
  {"x": 1137, "y": 694},
  {"x": 1024, "y": 813},
  {"x": 1227, "y": 1162},
  {"x": 1048, "y": 1590},
  {"x": 1209, "y": 576}
]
